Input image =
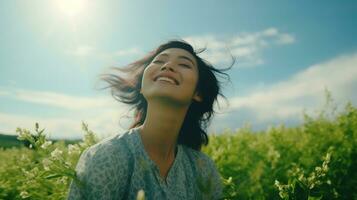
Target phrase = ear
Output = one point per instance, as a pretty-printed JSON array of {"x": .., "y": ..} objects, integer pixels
[{"x": 197, "y": 97}]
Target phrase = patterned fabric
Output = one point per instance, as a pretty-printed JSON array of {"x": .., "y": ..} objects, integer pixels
[{"x": 119, "y": 166}]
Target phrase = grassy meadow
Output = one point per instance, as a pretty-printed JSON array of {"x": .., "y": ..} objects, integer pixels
[{"x": 315, "y": 160}]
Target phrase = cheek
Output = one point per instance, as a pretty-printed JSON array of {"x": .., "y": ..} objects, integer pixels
[
  {"x": 191, "y": 79},
  {"x": 147, "y": 74}
]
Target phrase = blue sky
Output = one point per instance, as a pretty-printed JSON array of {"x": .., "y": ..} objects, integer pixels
[{"x": 52, "y": 53}]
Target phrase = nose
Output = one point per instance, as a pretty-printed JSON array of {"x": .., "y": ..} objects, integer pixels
[{"x": 168, "y": 66}]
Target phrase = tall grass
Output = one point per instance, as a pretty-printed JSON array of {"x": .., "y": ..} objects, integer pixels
[{"x": 316, "y": 160}]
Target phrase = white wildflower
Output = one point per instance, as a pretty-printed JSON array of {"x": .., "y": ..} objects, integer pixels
[
  {"x": 24, "y": 158},
  {"x": 278, "y": 185},
  {"x": 46, "y": 164},
  {"x": 68, "y": 163},
  {"x": 302, "y": 178},
  {"x": 24, "y": 194},
  {"x": 46, "y": 144},
  {"x": 276, "y": 182},
  {"x": 73, "y": 149},
  {"x": 141, "y": 195},
  {"x": 23, "y": 134},
  {"x": 35, "y": 170},
  {"x": 56, "y": 154},
  {"x": 318, "y": 169},
  {"x": 312, "y": 186},
  {"x": 29, "y": 174},
  {"x": 62, "y": 180}
]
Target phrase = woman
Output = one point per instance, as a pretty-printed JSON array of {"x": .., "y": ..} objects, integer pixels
[{"x": 173, "y": 91}]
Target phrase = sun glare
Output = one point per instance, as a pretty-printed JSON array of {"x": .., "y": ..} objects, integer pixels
[{"x": 71, "y": 8}]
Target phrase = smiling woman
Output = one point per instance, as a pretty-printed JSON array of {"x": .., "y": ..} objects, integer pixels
[{"x": 173, "y": 91}]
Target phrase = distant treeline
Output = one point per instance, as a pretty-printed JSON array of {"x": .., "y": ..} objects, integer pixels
[{"x": 9, "y": 141}]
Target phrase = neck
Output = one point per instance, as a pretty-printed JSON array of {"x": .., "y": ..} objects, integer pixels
[{"x": 160, "y": 130}]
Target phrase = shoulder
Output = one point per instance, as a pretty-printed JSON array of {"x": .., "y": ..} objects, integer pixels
[
  {"x": 103, "y": 169},
  {"x": 117, "y": 143},
  {"x": 111, "y": 152}
]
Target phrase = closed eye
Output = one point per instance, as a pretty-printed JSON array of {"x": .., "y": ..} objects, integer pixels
[
  {"x": 185, "y": 65},
  {"x": 158, "y": 61}
]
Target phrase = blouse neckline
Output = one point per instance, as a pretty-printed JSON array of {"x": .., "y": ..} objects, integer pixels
[{"x": 152, "y": 163}]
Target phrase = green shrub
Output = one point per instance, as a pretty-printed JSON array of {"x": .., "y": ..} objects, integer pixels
[{"x": 316, "y": 160}]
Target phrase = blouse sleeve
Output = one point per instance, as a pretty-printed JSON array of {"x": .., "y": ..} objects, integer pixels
[
  {"x": 214, "y": 189},
  {"x": 103, "y": 173},
  {"x": 217, "y": 192}
]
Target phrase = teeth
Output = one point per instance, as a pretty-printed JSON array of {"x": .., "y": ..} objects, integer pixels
[{"x": 166, "y": 79}]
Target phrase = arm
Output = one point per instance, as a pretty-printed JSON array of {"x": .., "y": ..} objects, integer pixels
[{"x": 103, "y": 172}]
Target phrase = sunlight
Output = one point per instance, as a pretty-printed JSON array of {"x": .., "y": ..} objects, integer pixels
[{"x": 71, "y": 8}]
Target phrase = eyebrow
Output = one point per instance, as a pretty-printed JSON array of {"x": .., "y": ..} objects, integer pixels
[{"x": 182, "y": 57}]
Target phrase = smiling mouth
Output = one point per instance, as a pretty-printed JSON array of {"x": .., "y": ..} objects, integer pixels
[{"x": 166, "y": 80}]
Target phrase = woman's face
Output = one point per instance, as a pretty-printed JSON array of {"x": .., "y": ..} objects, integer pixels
[{"x": 180, "y": 65}]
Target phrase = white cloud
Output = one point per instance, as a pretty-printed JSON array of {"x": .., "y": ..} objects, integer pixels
[
  {"x": 4, "y": 93},
  {"x": 110, "y": 58},
  {"x": 104, "y": 123},
  {"x": 246, "y": 47},
  {"x": 101, "y": 113},
  {"x": 270, "y": 32},
  {"x": 83, "y": 50},
  {"x": 286, "y": 39},
  {"x": 284, "y": 101},
  {"x": 58, "y": 99},
  {"x": 128, "y": 52}
]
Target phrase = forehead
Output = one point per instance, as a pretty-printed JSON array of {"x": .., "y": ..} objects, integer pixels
[{"x": 177, "y": 52}]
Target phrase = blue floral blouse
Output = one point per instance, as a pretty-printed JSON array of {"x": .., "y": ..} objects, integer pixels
[{"x": 119, "y": 166}]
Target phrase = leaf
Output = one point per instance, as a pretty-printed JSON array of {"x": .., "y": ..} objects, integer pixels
[
  {"x": 53, "y": 176},
  {"x": 300, "y": 190},
  {"x": 315, "y": 198},
  {"x": 315, "y": 192}
]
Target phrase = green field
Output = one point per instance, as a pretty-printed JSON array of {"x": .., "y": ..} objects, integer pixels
[{"x": 316, "y": 160}]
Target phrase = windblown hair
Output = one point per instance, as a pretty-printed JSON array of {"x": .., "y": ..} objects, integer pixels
[{"x": 126, "y": 89}]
